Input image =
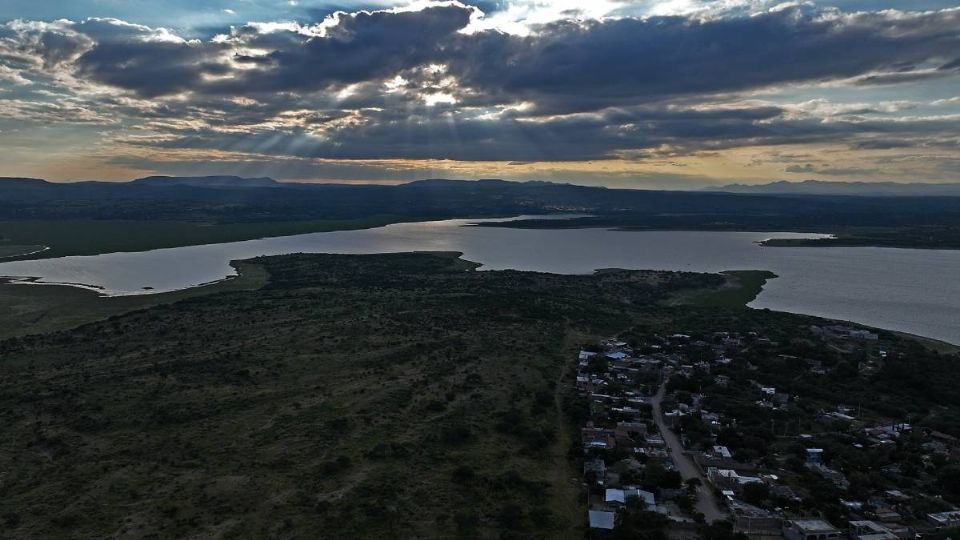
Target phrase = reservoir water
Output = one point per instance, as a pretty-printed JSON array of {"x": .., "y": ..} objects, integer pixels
[{"x": 911, "y": 290}]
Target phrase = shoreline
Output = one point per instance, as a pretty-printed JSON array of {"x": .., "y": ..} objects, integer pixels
[
  {"x": 932, "y": 343},
  {"x": 822, "y": 240},
  {"x": 309, "y": 227},
  {"x": 231, "y": 272},
  {"x": 100, "y": 290},
  {"x": 19, "y": 256}
]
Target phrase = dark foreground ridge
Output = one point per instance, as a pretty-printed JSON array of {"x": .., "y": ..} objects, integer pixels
[
  {"x": 350, "y": 397},
  {"x": 353, "y": 396}
]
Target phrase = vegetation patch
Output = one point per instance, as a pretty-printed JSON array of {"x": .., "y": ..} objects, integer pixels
[{"x": 400, "y": 395}]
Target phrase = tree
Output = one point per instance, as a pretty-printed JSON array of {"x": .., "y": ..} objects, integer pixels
[
  {"x": 756, "y": 493},
  {"x": 640, "y": 525},
  {"x": 597, "y": 364},
  {"x": 656, "y": 477},
  {"x": 949, "y": 480}
]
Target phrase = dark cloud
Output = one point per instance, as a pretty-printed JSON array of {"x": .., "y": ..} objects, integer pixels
[
  {"x": 150, "y": 68},
  {"x": 577, "y": 66},
  {"x": 564, "y": 66},
  {"x": 438, "y": 133},
  {"x": 589, "y": 89},
  {"x": 360, "y": 47},
  {"x": 435, "y": 133}
]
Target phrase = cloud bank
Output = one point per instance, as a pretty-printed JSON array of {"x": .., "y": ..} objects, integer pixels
[{"x": 438, "y": 81}]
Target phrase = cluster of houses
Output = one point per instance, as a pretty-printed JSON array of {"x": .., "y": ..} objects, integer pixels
[
  {"x": 844, "y": 332},
  {"x": 622, "y": 438}
]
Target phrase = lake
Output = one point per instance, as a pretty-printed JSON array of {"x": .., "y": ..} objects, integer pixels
[{"x": 910, "y": 290}]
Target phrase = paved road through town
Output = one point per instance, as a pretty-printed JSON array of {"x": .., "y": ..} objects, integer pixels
[{"x": 707, "y": 503}]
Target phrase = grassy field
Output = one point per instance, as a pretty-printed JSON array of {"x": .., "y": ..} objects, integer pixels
[
  {"x": 94, "y": 237},
  {"x": 351, "y": 397},
  {"x": 35, "y": 309},
  {"x": 740, "y": 288}
]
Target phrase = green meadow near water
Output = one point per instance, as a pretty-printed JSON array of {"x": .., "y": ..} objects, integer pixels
[
  {"x": 90, "y": 237},
  {"x": 35, "y": 309}
]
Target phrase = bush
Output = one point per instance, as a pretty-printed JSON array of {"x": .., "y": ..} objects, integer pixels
[
  {"x": 510, "y": 517},
  {"x": 466, "y": 521},
  {"x": 756, "y": 493},
  {"x": 463, "y": 475},
  {"x": 455, "y": 434}
]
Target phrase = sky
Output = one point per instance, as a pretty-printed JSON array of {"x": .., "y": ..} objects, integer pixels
[{"x": 675, "y": 94}]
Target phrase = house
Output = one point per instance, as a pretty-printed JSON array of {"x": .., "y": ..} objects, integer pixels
[
  {"x": 944, "y": 438},
  {"x": 853, "y": 506},
  {"x": 887, "y": 515},
  {"x": 722, "y": 452},
  {"x": 729, "y": 479},
  {"x": 631, "y": 430},
  {"x": 814, "y": 456},
  {"x": 594, "y": 437},
  {"x": 620, "y": 496},
  {"x": 810, "y": 529},
  {"x": 617, "y": 355},
  {"x": 896, "y": 495},
  {"x": 843, "y": 332},
  {"x": 649, "y": 365},
  {"x": 596, "y": 467},
  {"x": 886, "y": 433},
  {"x": 945, "y": 520},
  {"x": 837, "y": 415},
  {"x": 870, "y": 530},
  {"x": 721, "y": 477},
  {"x": 602, "y": 519},
  {"x": 781, "y": 398}
]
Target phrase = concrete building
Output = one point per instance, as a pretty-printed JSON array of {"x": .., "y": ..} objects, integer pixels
[
  {"x": 600, "y": 519},
  {"x": 945, "y": 520},
  {"x": 810, "y": 529},
  {"x": 870, "y": 530}
]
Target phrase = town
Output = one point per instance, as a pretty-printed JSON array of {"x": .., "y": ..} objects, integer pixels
[{"x": 737, "y": 435}]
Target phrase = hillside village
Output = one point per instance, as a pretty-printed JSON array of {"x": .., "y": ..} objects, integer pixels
[{"x": 731, "y": 435}]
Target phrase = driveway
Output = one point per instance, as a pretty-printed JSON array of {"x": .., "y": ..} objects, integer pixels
[{"x": 707, "y": 503}]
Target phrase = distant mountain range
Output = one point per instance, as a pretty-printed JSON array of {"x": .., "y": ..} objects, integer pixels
[
  {"x": 863, "y": 189},
  {"x": 487, "y": 186},
  {"x": 208, "y": 181},
  {"x": 230, "y": 200}
]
